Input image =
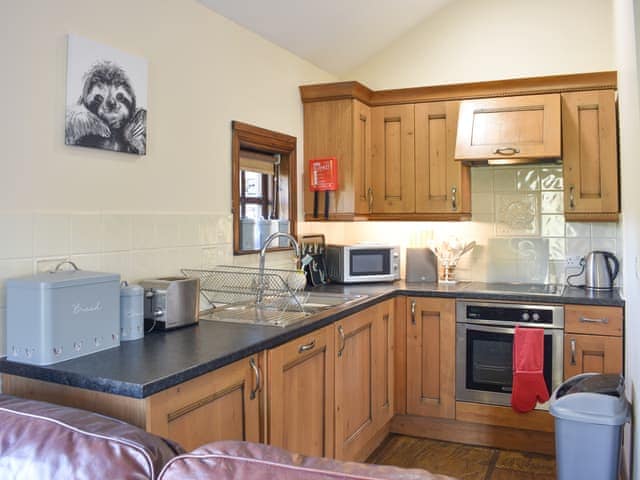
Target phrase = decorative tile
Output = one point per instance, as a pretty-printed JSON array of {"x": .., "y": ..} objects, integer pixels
[
  {"x": 119, "y": 262},
  {"x": 577, "y": 229},
  {"x": 552, "y": 225},
  {"x": 3, "y": 335},
  {"x": 604, "y": 230},
  {"x": 16, "y": 240},
  {"x": 482, "y": 203},
  {"x": 52, "y": 234},
  {"x": 527, "y": 180},
  {"x": 557, "y": 248},
  {"x": 167, "y": 230},
  {"x": 482, "y": 179},
  {"x": 516, "y": 214},
  {"x": 92, "y": 262},
  {"x": 144, "y": 232},
  {"x": 86, "y": 233},
  {"x": 11, "y": 269},
  {"x": 504, "y": 180},
  {"x": 606, "y": 244},
  {"x": 551, "y": 178},
  {"x": 578, "y": 246},
  {"x": 552, "y": 202},
  {"x": 116, "y": 233}
]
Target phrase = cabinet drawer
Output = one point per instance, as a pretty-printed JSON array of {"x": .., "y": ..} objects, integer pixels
[{"x": 593, "y": 320}]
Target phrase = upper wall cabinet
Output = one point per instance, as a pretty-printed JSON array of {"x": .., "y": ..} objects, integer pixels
[
  {"x": 405, "y": 154},
  {"x": 393, "y": 159},
  {"x": 443, "y": 185},
  {"x": 590, "y": 156},
  {"x": 511, "y": 127},
  {"x": 341, "y": 129}
]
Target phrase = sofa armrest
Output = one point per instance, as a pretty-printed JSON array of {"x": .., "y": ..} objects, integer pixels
[
  {"x": 229, "y": 460},
  {"x": 42, "y": 440}
]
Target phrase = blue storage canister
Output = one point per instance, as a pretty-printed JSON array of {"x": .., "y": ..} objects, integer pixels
[{"x": 131, "y": 312}]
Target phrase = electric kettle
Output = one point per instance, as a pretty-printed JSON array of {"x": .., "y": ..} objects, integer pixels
[{"x": 600, "y": 270}]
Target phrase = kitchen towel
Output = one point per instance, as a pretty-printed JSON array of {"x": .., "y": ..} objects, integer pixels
[{"x": 528, "y": 362}]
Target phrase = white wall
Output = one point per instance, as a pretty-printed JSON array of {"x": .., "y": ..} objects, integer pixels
[
  {"x": 140, "y": 216},
  {"x": 478, "y": 40},
  {"x": 626, "y": 37}
]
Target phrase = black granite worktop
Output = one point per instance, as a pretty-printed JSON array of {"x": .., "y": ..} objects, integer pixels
[{"x": 163, "y": 359}]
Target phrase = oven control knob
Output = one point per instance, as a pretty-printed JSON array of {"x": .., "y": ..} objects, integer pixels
[
  {"x": 535, "y": 316},
  {"x": 525, "y": 317}
]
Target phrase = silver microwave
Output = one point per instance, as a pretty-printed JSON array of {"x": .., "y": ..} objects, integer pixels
[{"x": 363, "y": 263}]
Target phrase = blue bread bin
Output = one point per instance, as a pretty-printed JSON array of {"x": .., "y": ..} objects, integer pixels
[{"x": 60, "y": 315}]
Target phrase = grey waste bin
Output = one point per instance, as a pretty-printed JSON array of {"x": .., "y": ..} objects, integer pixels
[{"x": 590, "y": 410}]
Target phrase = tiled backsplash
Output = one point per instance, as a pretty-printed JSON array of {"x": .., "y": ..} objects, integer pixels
[
  {"x": 518, "y": 224},
  {"x": 136, "y": 246}
]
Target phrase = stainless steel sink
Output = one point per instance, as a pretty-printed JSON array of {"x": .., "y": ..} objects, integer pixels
[{"x": 293, "y": 311}]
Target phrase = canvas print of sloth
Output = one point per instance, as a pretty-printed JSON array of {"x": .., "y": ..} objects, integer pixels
[{"x": 106, "y": 115}]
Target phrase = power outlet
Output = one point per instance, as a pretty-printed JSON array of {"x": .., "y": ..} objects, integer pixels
[{"x": 573, "y": 261}]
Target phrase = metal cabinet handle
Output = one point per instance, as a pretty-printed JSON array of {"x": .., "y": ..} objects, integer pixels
[
  {"x": 258, "y": 375},
  {"x": 506, "y": 151},
  {"x": 307, "y": 346},
  {"x": 413, "y": 312},
  {"x": 454, "y": 202},
  {"x": 572, "y": 361},
  {"x": 370, "y": 198},
  {"x": 594, "y": 320},
  {"x": 342, "y": 341},
  {"x": 572, "y": 200}
]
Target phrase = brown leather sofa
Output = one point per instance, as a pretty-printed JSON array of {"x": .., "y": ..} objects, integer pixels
[{"x": 43, "y": 441}]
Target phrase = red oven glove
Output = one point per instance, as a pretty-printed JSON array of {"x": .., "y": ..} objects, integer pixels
[{"x": 528, "y": 361}]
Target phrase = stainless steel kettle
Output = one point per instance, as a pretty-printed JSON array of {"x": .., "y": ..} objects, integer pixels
[{"x": 600, "y": 270}]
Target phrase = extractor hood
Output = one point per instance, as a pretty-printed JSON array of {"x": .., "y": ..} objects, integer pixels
[{"x": 509, "y": 130}]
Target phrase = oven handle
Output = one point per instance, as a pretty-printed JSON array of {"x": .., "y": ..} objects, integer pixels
[{"x": 508, "y": 330}]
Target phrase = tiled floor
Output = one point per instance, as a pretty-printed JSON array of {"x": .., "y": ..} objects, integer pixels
[{"x": 465, "y": 462}]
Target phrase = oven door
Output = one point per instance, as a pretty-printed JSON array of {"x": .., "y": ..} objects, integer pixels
[{"x": 484, "y": 359}]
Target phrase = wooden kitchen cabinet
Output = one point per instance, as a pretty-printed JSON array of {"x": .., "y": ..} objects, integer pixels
[
  {"x": 430, "y": 348},
  {"x": 592, "y": 340},
  {"x": 525, "y": 126},
  {"x": 221, "y": 405},
  {"x": 341, "y": 129},
  {"x": 442, "y": 185},
  {"x": 590, "y": 156},
  {"x": 363, "y": 379},
  {"x": 393, "y": 159},
  {"x": 300, "y": 394}
]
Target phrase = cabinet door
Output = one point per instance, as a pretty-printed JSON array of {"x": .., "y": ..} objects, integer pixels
[
  {"x": 591, "y": 353},
  {"x": 221, "y": 405},
  {"x": 590, "y": 153},
  {"x": 383, "y": 363},
  {"x": 300, "y": 394},
  {"x": 362, "y": 157},
  {"x": 431, "y": 357},
  {"x": 442, "y": 183},
  {"x": 519, "y": 127},
  {"x": 392, "y": 159},
  {"x": 354, "y": 382},
  {"x": 364, "y": 379}
]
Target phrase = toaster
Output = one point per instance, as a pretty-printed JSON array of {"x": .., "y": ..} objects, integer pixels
[{"x": 170, "y": 302}]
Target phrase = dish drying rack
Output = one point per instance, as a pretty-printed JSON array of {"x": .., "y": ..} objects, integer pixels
[{"x": 229, "y": 285}]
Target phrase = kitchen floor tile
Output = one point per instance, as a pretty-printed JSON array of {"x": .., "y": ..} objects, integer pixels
[{"x": 465, "y": 462}]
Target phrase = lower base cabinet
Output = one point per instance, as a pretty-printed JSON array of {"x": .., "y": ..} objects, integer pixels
[
  {"x": 431, "y": 335},
  {"x": 363, "y": 379},
  {"x": 221, "y": 405},
  {"x": 300, "y": 394}
]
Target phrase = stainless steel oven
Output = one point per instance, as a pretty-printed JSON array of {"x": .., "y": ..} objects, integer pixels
[{"x": 484, "y": 347}]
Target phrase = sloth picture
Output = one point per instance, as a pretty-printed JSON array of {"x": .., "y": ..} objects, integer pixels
[{"x": 106, "y": 112}]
